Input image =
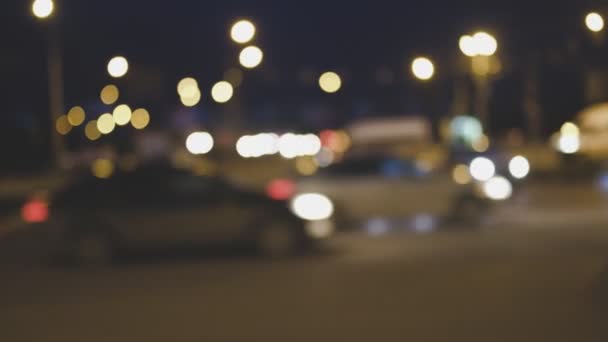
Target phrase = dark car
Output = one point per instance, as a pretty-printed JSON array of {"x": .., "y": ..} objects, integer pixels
[{"x": 95, "y": 220}]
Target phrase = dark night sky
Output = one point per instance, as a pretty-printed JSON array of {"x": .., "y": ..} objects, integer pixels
[{"x": 179, "y": 38}]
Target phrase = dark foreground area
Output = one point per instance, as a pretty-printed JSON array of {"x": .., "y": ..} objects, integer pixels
[{"x": 499, "y": 285}]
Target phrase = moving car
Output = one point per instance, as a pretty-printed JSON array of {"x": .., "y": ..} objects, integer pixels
[
  {"x": 383, "y": 186},
  {"x": 94, "y": 220}
]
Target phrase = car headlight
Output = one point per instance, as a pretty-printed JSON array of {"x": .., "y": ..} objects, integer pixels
[
  {"x": 482, "y": 169},
  {"x": 498, "y": 188},
  {"x": 312, "y": 207},
  {"x": 519, "y": 167}
]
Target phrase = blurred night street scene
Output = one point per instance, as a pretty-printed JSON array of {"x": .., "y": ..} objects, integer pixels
[{"x": 304, "y": 171}]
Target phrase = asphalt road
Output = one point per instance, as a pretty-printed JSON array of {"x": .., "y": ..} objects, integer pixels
[{"x": 498, "y": 285}]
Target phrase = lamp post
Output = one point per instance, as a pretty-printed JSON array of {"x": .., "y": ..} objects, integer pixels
[
  {"x": 43, "y": 10},
  {"x": 481, "y": 49}
]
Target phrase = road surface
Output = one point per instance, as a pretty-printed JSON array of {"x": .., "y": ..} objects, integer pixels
[{"x": 497, "y": 285}]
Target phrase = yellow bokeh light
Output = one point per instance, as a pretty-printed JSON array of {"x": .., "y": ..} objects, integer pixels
[
  {"x": 118, "y": 67},
  {"x": 306, "y": 166},
  {"x": 423, "y": 68},
  {"x": 251, "y": 57},
  {"x": 330, "y": 82},
  {"x": 234, "y": 76},
  {"x": 242, "y": 31},
  {"x": 222, "y": 92},
  {"x": 140, "y": 118},
  {"x": 594, "y": 22},
  {"x": 43, "y": 8},
  {"x": 91, "y": 131},
  {"x": 102, "y": 168},
  {"x": 63, "y": 125},
  {"x": 486, "y": 44},
  {"x": 568, "y": 128},
  {"x": 461, "y": 174},
  {"x": 122, "y": 115},
  {"x": 76, "y": 116},
  {"x": 482, "y": 144},
  {"x": 105, "y": 123},
  {"x": 188, "y": 87},
  {"x": 467, "y": 46},
  {"x": 191, "y": 101},
  {"x": 109, "y": 94}
]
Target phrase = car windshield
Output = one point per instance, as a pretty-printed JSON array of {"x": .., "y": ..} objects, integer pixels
[{"x": 304, "y": 170}]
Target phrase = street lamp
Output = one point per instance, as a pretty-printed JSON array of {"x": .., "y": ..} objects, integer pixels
[
  {"x": 43, "y": 9},
  {"x": 242, "y": 31},
  {"x": 594, "y": 22},
  {"x": 481, "y": 48},
  {"x": 423, "y": 68}
]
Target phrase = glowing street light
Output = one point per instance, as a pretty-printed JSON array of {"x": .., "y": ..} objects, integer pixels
[
  {"x": 423, "y": 68},
  {"x": 251, "y": 57},
  {"x": 242, "y": 31},
  {"x": 222, "y": 92},
  {"x": 594, "y": 22},
  {"x": 43, "y": 9},
  {"x": 479, "y": 44},
  {"x": 118, "y": 67},
  {"x": 330, "y": 82}
]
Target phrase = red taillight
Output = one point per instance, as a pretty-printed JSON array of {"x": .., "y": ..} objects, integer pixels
[
  {"x": 280, "y": 189},
  {"x": 35, "y": 211}
]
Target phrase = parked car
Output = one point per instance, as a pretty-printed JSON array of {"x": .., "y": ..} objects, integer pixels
[{"x": 94, "y": 220}]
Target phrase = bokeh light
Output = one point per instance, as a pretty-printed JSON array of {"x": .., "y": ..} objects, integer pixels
[
  {"x": 306, "y": 166},
  {"x": 102, "y": 168},
  {"x": 242, "y": 31},
  {"x": 109, "y": 94},
  {"x": 280, "y": 189},
  {"x": 118, "y": 67},
  {"x": 330, "y": 82},
  {"x": 199, "y": 143},
  {"x": 62, "y": 125},
  {"x": 76, "y": 116},
  {"x": 569, "y": 144},
  {"x": 498, "y": 188},
  {"x": 43, "y": 8},
  {"x": 140, "y": 118},
  {"x": 325, "y": 157},
  {"x": 122, "y": 115},
  {"x": 482, "y": 144},
  {"x": 461, "y": 174},
  {"x": 91, "y": 131},
  {"x": 467, "y": 46},
  {"x": 519, "y": 167},
  {"x": 486, "y": 44},
  {"x": 479, "y": 44},
  {"x": 568, "y": 128},
  {"x": 188, "y": 87},
  {"x": 222, "y": 92},
  {"x": 482, "y": 169},
  {"x": 594, "y": 22},
  {"x": 191, "y": 101},
  {"x": 312, "y": 207},
  {"x": 234, "y": 76},
  {"x": 105, "y": 123},
  {"x": 251, "y": 57},
  {"x": 423, "y": 68},
  {"x": 259, "y": 145},
  {"x": 292, "y": 145}
]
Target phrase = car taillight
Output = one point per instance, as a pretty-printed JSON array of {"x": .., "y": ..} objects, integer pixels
[
  {"x": 280, "y": 189},
  {"x": 35, "y": 211}
]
